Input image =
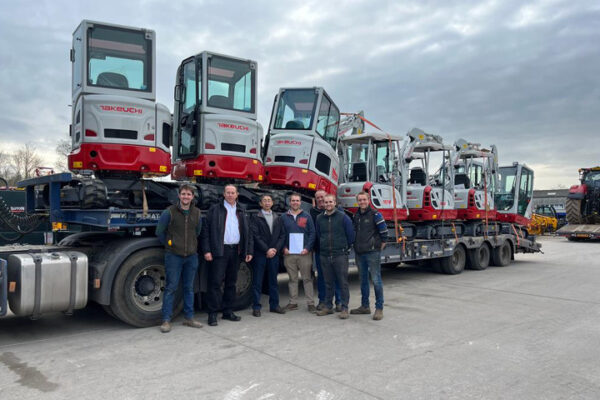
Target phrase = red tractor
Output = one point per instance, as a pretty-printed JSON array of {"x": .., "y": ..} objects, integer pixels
[{"x": 583, "y": 201}]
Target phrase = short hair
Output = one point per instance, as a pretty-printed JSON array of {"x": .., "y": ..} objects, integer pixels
[
  {"x": 262, "y": 197},
  {"x": 294, "y": 194},
  {"x": 333, "y": 196},
  {"x": 229, "y": 185},
  {"x": 320, "y": 190},
  {"x": 363, "y": 193},
  {"x": 186, "y": 186}
]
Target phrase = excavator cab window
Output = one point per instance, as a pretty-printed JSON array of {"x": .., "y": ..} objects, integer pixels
[
  {"x": 384, "y": 165},
  {"x": 295, "y": 110},
  {"x": 505, "y": 196},
  {"x": 328, "y": 122},
  {"x": 525, "y": 190},
  {"x": 188, "y": 139},
  {"x": 119, "y": 59},
  {"x": 231, "y": 84}
]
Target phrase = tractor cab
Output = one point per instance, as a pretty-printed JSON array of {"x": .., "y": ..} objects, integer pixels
[
  {"x": 301, "y": 146},
  {"x": 514, "y": 193},
  {"x": 372, "y": 163},
  {"x": 216, "y": 135},
  {"x": 117, "y": 127},
  {"x": 430, "y": 197},
  {"x": 474, "y": 180}
]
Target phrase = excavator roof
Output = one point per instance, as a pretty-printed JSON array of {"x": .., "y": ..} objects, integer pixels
[{"x": 374, "y": 136}]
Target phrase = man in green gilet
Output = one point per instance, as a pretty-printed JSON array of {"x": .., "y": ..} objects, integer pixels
[{"x": 178, "y": 229}]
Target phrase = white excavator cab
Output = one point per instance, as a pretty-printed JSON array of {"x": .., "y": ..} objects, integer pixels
[
  {"x": 372, "y": 164},
  {"x": 216, "y": 135},
  {"x": 301, "y": 145},
  {"x": 117, "y": 127},
  {"x": 514, "y": 194}
]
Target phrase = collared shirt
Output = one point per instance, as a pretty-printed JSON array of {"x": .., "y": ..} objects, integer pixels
[
  {"x": 232, "y": 226},
  {"x": 269, "y": 217}
]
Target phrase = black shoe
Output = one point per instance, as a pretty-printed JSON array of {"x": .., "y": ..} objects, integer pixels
[
  {"x": 212, "y": 320},
  {"x": 256, "y": 313},
  {"x": 277, "y": 310},
  {"x": 232, "y": 317}
]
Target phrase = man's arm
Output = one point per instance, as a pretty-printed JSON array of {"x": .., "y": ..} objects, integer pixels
[
  {"x": 382, "y": 229},
  {"x": 349, "y": 229},
  {"x": 259, "y": 243},
  {"x": 312, "y": 234},
  {"x": 205, "y": 238},
  {"x": 161, "y": 228}
]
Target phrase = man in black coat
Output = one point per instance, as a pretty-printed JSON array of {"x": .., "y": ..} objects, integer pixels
[
  {"x": 226, "y": 241},
  {"x": 268, "y": 235}
]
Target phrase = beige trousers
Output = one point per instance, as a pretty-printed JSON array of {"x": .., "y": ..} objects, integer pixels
[{"x": 295, "y": 263}]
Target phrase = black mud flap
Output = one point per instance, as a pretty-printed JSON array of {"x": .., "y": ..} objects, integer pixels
[{"x": 3, "y": 288}]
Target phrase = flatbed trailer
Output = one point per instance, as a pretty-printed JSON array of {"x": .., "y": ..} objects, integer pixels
[
  {"x": 120, "y": 266},
  {"x": 576, "y": 232}
]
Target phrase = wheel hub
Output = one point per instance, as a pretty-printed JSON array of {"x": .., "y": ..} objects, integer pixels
[{"x": 144, "y": 285}]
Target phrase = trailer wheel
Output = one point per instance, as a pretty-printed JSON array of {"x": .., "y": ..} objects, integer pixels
[
  {"x": 138, "y": 289},
  {"x": 479, "y": 259},
  {"x": 454, "y": 264},
  {"x": 502, "y": 254}
]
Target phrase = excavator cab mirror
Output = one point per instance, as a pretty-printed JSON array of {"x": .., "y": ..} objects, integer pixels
[{"x": 178, "y": 92}]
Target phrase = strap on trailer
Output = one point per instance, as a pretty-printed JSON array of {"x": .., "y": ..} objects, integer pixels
[{"x": 3, "y": 288}]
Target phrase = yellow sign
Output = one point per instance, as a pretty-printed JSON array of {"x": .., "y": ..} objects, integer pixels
[
  {"x": 198, "y": 172},
  {"x": 152, "y": 149},
  {"x": 77, "y": 164},
  {"x": 255, "y": 162},
  {"x": 260, "y": 177},
  {"x": 312, "y": 186},
  {"x": 305, "y": 171},
  {"x": 162, "y": 168}
]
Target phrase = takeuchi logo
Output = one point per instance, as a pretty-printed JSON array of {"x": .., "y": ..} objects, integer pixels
[
  {"x": 130, "y": 110},
  {"x": 291, "y": 142},
  {"x": 233, "y": 126}
]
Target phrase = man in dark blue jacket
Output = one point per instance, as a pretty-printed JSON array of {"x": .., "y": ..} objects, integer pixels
[
  {"x": 268, "y": 235},
  {"x": 297, "y": 251},
  {"x": 226, "y": 241},
  {"x": 371, "y": 235},
  {"x": 336, "y": 235}
]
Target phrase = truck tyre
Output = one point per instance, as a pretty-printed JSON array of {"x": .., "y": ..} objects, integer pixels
[
  {"x": 138, "y": 289},
  {"x": 454, "y": 264},
  {"x": 479, "y": 259},
  {"x": 501, "y": 255},
  {"x": 573, "y": 211}
]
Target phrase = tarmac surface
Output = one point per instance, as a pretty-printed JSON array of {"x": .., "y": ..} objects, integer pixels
[{"x": 527, "y": 331}]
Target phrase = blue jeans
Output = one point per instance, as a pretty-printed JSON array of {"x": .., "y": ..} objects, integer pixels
[
  {"x": 370, "y": 264},
  {"x": 260, "y": 261},
  {"x": 335, "y": 268},
  {"x": 321, "y": 283},
  {"x": 184, "y": 268}
]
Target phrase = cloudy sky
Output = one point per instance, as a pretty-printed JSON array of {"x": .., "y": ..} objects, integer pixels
[{"x": 522, "y": 75}]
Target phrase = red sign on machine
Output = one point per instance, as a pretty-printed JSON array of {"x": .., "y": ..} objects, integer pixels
[
  {"x": 233, "y": 126},
  {"x": 292, "y": 142},
  {"x": 130, "y": 110}
]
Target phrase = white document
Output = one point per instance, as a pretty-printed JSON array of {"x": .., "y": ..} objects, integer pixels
[{"x": 296, "y": 243}]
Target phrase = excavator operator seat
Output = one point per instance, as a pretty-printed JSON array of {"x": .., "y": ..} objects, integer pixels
[
  {"x": 113, "y": 79},
  {"x": 219, "y": 101},
  {"x": 462, "y": 179},
  {"x": 359, "y": 172},
  {"x": 293, "y": 124},
  {"x": 418, "y": 176}
]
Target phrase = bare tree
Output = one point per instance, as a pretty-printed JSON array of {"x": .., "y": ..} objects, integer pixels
[
  {"x": 7, "y": 170},
  {"x": 63, "y": 148},
  {"x": 25, "y": 161}
]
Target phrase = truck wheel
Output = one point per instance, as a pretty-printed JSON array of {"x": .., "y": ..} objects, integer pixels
[
  {"x": 479, "y": 259},
  {"x": 502, "y": 254},
  {"x": 243, "y": 287},
  {"x": 454, "y": 264},
  {"x": 138, "y": 289},
  {"x": 573, "y": 211}
]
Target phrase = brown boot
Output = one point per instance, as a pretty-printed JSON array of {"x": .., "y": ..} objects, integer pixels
[
  {"x": 324, "y": 311},
  {"x": 165, "y": 327},
  {"x": 344, "y": 314},
  {"x": 291, "y": 307},
  {"x": 192, "y": 323},
  {"x": 378, "y": 314},
  {"x": 361, "y": 310}
]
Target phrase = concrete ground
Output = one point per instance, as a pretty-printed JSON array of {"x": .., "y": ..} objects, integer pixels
[{"x": 527, "y": 331}]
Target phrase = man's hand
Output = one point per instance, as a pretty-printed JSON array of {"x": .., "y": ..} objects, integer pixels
[
  {"x": 304, "y": 252},
  {"x": 248, "y": 258},
  {"x": 286, "y": 252},
  {"x": 271, "y": 253},
  {"x": 208, "y": 256}
]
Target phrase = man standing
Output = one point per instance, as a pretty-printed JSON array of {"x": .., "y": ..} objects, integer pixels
[
  {"x": 226, "y": 241},
  {"x": 297, "y": 257},
  {"x": 371, "y": 235},
  {"x": 336, "y": 235},
  {"x": 268, "y": 236},
  {"x": 178, "y": 229},
  {"x": 317, "y": 209}
]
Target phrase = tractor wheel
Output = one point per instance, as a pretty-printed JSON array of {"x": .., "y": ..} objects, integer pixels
[{"x": 573, "y": 210}]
